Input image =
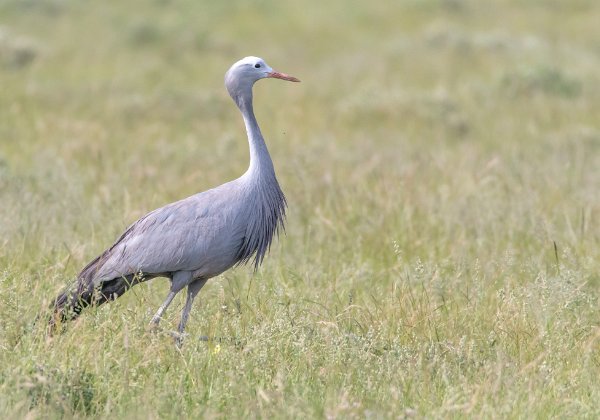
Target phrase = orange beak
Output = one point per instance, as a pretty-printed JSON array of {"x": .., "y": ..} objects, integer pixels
[{"x": 282, "y": 76}]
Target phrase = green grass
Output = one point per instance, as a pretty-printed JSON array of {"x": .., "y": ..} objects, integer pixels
[{"x": 441, "y": 161}]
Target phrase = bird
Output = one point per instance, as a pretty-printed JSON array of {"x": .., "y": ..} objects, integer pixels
[{"x": 199, "y": 237}]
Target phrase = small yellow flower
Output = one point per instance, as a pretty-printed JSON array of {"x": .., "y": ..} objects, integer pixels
[{"x": 216, "y": 349}]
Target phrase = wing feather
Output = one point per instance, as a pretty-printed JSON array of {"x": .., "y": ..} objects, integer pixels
[{"x": 201, "y": 232}]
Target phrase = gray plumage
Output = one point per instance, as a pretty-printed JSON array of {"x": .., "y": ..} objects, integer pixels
[{"x": 199, "y": 237}]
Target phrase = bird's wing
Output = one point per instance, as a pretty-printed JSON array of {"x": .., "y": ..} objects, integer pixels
[{"x": 203, "y": 231}]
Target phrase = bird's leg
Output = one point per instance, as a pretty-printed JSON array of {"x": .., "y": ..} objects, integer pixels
[
  {"x": 192, "y": 291},
  {"x": 158, "y": 315},
  {"x": 180, "y": 280}
]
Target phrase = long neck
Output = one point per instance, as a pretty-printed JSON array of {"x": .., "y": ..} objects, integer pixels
[{"x": 260, "y": 160}]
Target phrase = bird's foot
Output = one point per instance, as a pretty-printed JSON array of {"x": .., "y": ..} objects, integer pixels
[
  {"x": 178, "y": 337},
  {"x": 153, "y": 325}
]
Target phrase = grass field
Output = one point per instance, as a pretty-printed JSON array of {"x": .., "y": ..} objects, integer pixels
[{"x": 441, "y": 161}]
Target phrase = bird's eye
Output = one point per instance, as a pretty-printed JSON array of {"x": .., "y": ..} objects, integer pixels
[{"x": 257, "y": 66}]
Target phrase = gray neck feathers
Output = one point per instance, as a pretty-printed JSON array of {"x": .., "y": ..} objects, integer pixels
[
  {"x": 260, "y": 159},
  {"x": 266, "y": 206}
]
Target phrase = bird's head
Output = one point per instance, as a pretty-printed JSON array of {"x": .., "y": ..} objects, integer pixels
[{"x": 243, "y": 74}]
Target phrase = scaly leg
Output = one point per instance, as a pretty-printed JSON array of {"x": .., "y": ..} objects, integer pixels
[
  {"x": 192, "y": 291},
  {"x": 180, "y": 280}
]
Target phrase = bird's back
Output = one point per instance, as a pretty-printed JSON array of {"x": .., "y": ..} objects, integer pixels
[
  {"x": 206, "y": 233},
  {"x": 202, "y": 233}
]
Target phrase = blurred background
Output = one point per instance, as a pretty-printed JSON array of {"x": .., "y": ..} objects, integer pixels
[
  {"x": 110, "y": 111},
  {"x": 446, "y": 146}
]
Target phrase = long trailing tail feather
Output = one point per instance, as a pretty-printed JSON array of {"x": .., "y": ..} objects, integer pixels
[{"x": 69, "y": 304}]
